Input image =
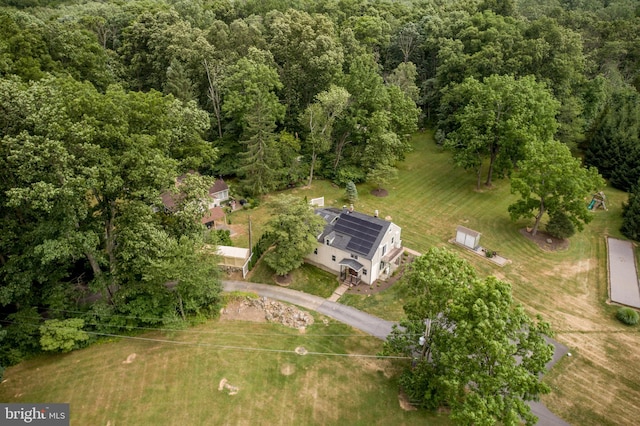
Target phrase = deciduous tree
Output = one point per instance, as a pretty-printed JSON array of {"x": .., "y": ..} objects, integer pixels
[
  {"x": 62, "y": 335},
  {"x": 308, "y": 53},
  {"x": 550, "y": 180},
  {"x": 295, "y": 229},
  {"x": 318, "y": 120},
  {"x": 494, "y": 119},
  {"x": 84, "y": 171},
  {"x": 473, "y": 348}
]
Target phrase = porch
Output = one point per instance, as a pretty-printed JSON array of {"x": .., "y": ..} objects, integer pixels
[{"x": 350, "y": 272}]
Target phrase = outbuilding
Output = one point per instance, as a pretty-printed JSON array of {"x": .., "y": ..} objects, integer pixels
[
  {"x": 468, "y": 237},
  {"x": 234, "y": 258}
]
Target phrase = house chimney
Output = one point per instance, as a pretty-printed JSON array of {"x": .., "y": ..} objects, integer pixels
[
  {"x": 351, "y": 208},
  {"x": 344, "y": 208},
  {"x": 375, "y": 214}
]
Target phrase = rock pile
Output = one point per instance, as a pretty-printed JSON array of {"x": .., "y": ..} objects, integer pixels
[{"x": 274, "y": 311}]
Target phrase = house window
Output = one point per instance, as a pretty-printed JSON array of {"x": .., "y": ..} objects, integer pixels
[
  {"x": 333, "y": 257},
  {"x": 354, "y": 256},
  {"x": 315, "y": 251},
  {"x": 364, "y": 272},
  {"x": 384, "y": 250},
  {"x": 392, "y": 238}
]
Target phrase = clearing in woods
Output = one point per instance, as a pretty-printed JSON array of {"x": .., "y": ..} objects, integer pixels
[{"x": 600, "y": 383}]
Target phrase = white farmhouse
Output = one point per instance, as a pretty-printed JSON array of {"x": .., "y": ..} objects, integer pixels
[{"x": 357, "y": 247}]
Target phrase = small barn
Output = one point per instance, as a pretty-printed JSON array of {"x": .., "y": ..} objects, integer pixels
[
  {"x": 234, "y": 258},
  {"x": 468, "y": 237}
]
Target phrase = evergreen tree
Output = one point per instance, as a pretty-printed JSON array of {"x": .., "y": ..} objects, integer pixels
[
  {"x": 560, "y": 226},
  {"x": 352, "y": 192},
  {"x": 631, "y": 215},
  {"x": 613, "y": 145}
]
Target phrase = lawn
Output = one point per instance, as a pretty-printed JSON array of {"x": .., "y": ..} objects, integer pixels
[
  {"x": 600, "y": 384},
  {"x": 307, "y": 278},
  {"x": 177, "y": 384},
  {"x": 387, "y": 304}
]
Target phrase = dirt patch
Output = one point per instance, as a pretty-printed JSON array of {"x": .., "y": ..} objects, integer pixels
[
  {"x": 233, "y": 275},
  {"x": 287, "y": 369},
  {"x": 380, "y": 192},
  {"x": 383, "y": 367},
  {"x": 300, "y": 350},
  {"x": 237, "y": 229},
  {"x": 403, "y": 399},
  {"x": 240, "y": 311},
  {"x": 266, "y": 310},
  {"x": 283, "y": 280},
  {"x": 545, "y": 241}
]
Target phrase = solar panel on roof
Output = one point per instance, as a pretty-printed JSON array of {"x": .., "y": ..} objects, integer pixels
[{"x": 363, "y": 233}]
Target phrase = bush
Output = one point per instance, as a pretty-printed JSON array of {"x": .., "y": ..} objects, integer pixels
[
  {"x": 62, "y": 335},
  {"x": 260, "y": 247},
  {"x": 221, "y": 237},
  {"x": 627, "y": 316},
  {"x": 560, "y": 226}
]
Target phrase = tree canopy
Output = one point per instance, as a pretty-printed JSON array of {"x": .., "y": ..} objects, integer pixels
[
  {"x": 295, "y": 229},
  {"x": 631, "y": 215},
  {"x": 550, "y": 180},
  {"x": 473, "y": 349},
  {"x": 495, "y": 119}
]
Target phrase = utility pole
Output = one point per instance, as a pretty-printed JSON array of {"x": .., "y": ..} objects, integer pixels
[
  {"x": 250, "y": 239},
  {"x": 424, "y": 340}
]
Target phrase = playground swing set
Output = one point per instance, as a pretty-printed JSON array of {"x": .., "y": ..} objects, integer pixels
[{"x": 598, "y": 201}]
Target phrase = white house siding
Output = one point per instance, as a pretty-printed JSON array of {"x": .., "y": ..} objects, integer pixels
[
  {"x": 324, "y": 259},
  {"x": 391, "y": 241}
]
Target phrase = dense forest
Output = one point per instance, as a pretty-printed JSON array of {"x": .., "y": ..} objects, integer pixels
[{"x": 104, "y": 103}]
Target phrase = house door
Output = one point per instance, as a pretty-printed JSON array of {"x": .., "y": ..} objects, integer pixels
[{"x": 343, "y": 272}]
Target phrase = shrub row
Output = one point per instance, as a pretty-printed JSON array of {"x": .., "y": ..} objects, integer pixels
[{"x": 260, "y": 247}]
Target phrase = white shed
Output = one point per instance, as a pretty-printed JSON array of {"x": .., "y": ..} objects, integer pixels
[
  {"x": 467, "y": 237},
  {"x": 235, "y": 258}
]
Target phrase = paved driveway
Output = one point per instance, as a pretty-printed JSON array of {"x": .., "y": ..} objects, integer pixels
[{"x": 372, "y": 325}]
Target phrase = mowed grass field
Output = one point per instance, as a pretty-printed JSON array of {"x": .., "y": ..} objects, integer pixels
[
  {"x": 178, "y": 384},
  {"x": 600, "y": 383}
]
